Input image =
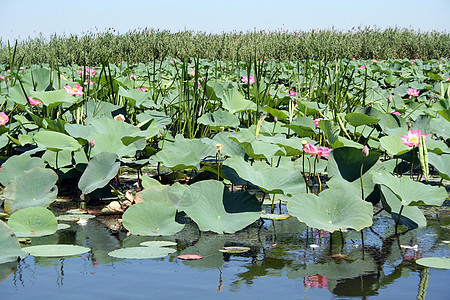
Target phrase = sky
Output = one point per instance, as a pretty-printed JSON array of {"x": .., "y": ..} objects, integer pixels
[{"x": 21, "y": 19}]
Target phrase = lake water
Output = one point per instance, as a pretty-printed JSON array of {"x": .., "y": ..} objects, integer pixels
[{"x": 281, "y": 264}]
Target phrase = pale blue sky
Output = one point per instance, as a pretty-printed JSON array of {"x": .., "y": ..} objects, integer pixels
[{"x": 23, "y": 18}]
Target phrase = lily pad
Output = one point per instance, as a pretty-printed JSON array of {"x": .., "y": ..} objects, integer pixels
[
  {"x": 234, "y": 249},
  {"x": 204, "y": 203},
  {"x": 151, "y": 218},
  {"x": 334, "y": 209},
  {"x": 435, "y": 262},
  {"x": 100, "y": 170},
  {"x": 56, "y": 250},
  {"x": 35, "y": 187},
  {"x": 141, "y": 252},
  {"x": 158, "y": 244},
  {"x": 33, "y": 222},
  {"x": 9, "y": 245}
]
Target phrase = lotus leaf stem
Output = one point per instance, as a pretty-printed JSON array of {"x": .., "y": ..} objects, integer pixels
[{"x": 398, "y": 219}]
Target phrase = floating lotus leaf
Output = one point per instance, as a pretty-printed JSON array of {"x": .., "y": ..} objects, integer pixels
[
  {"x": 272, "y": 180},
  {"x": 56, "y": 141},
  {"x": 56, "y": 250},
  {"x": 234, "y": 101},
  {"x": 9, "y": 245},
  {"x": 158, "y": 244},
  {"x": 220, "y": 118},
  {"x": 334, "y": 209},
  {"x": 74, "y": 217},
  {"x": 393, "y": 145},
  {"x": 99, "y": 171},
  {"x": 434, "y": 262},
  {"x": 17, "y": 164},
  {"x": 412, "y": 217},
  {"x": 204, "y": 203},
  {"x": 63, "y": 226},
  {"x": 141, "y": 252},
  {"x": 184, "y": 154},
  {"x": 275, "y": 216},
  {"x": 349, "y": 160},
  {"x": 411, "y": 192},
  {"x": 32, "y": 188},
  {"x": 234, "y": 249},
  {"x": 53, "y": 98},
  {"x": 151, "y": 218},
  {"x": 33, "y": 222},
  {"x": 359, "y": 119}
]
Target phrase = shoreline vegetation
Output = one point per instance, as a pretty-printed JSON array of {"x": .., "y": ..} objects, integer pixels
[{"x": 143, "y": 45}]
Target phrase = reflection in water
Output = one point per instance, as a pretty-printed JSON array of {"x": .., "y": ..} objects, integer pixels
[{"x": 347, "y": 265}]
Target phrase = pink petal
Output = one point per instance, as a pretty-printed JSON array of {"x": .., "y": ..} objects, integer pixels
[{"x": 190, "y": 256}]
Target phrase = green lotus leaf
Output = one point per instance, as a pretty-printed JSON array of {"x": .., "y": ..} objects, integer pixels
[
  {"x": 32, "y": 188},
  {"x": 39, "y": 78},
  {"x": 204, "y": 202},
  {"x": 347, "y": 161},
  {"x": 272, "y": 180},
  {"x": 393, "y": 145},
  {"x": 208, "y": 247},
  {"x": 33, "y": 222},
  {"x": 99, "y": 171},
  {"x": 302, "y": 126},
  {"x": 53, "y": 98},
  {"x": 234, "y": 101},
  {"x": 151, "y": 218},
  {"x": 56, "y": 141},
  {"x": 255, "y": 148},
  {"x": 112, "y": 143},
  {"x": 158, "y": 244},
  {"x": 17, "y": 164},
  {"x": 229, "y": 148},
  {"x": 137, "y": 98},
  {"x": 292, "y": 146},
  {"x": 411, "y": 192},
  {"x": 184, "y": 154},
  {"x": 74, "y": 217},
  {"x": 56, "y": 250},
  {"x": 163, "y": 193},
  {"x": 334, "y": 209},
  {"x": 65, "y": 158},
  {"x": 141, "y": 252},
  {"x": 220, "y": 118},
  {"x": 359, "y": 119},
  {"x": 269, "y": 128},
  {"x": 434, "y": 262},
  {"x": 440, "y": 162},
  {"x": 9, "y": 245},
  {"x": 412, "y": 217},
  {"x": 279, "y": 114},
  {"x": 159, "y": 117},
  {"x": 149, "y": 182}
]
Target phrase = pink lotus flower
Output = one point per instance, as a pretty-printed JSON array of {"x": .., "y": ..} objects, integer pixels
[
  {"x": 92, "y": 143},
  {"x": 119, "y": 117},
  {"x": 412, "y": 139},
  {"x": 362, "y": 67},
  {"x": 89, "y": 72},
  {"x": 171, "y": 61},
  {"x": 353, "y": 58},
  {"x": 316, "y": 281},
  {"x": 413, "y": 63},
  {"x": 144, "y": 89},
  {"x": 34, "y": 102},
  {"x": 412, "y": 92},
  {"x": 2, "y": 77},
  {"x": 3, "y": 118},
  {"x": 395, "y": 113},
  {"x": 317, "y": 152},
  {"x": 375, "y": 61},
  {"x": 192, "y": 73},
  {"x": 133, "y": 77},
  {"x": 76, "y": 90},
  {"x": 316, "y": 121},
  {"x": 293, "y": 93},
  {"x": 245, "y": 79}
]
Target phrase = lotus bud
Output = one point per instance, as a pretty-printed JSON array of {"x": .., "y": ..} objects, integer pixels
[
  {"x": 92, "y": 143},
  {"x": 192, "y": 73},
  {"x": 390, "y": 98},
  {"x": 275, "y": 119},
  {"x": 365, "y": 151}
]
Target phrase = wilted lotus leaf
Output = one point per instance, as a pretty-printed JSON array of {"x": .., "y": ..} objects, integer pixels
[
  {"x": 32, "y": 188},
  {"x": 334, "y": 209},
  {"x": 9, "y": 245},
  {"x": 33, "y": 222},
  {"x": 151, "y": 218}
]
